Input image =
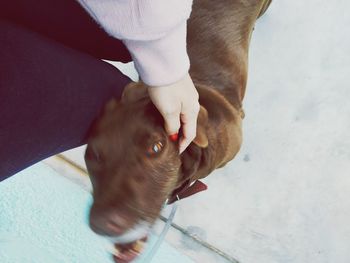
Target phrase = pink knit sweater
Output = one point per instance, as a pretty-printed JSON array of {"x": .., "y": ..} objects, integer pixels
[{"x": 154, "y": 32}]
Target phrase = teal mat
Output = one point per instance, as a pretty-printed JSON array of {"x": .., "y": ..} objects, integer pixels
[{"x": 43, "y": 219}]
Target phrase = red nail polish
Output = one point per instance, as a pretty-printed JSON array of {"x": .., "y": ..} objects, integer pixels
[{"x": 174, "y": 137}]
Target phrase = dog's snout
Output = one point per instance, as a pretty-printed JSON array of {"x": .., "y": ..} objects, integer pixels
[
  {"x": 109, "y": 223},
  {"x": 114, "y": 226}
]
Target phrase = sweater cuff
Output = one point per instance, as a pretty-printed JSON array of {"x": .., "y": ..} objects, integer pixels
[{"x": 162, "y": 61}]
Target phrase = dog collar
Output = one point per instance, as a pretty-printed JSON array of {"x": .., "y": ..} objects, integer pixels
[{"x": 186, "y": 189}]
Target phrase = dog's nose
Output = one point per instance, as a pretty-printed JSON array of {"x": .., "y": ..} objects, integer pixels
[{"x": 109, "y": 223}]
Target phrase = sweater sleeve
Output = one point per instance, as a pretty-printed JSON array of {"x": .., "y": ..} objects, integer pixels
[{"x": 154, "y": 31}]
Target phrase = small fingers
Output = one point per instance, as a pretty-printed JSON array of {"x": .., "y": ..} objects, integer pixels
[
  {"x": 179, "y": 106},
  {"x": 172, "y": 123},
  {"x": 189, "y": 128}
]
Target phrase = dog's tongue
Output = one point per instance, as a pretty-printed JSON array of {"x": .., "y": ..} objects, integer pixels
[{"x": 126, "y": 253}]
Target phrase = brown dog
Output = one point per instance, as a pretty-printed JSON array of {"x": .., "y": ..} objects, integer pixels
[{"x": 133, "y": 165}]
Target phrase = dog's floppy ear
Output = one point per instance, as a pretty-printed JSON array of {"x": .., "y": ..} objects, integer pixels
[
  {"x": 134, "y": 91},
  {"x": 192, "y": 156},
  {"x": 190, "y": 160},
  {"x": 201, "y": 138}
]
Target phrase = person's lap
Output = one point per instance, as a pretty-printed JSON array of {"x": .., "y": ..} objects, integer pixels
[{"x": 49, "y": 95}]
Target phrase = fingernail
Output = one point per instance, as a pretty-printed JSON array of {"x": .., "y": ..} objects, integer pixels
[{"x": 174, "y": 137}]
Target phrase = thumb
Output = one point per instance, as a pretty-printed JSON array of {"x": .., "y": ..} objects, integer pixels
[{"x": 172, "y": 123}]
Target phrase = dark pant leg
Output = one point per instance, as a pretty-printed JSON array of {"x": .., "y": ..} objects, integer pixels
[
  {"x": 66, "y": 22},
  {"x": 49, "y": 96}
]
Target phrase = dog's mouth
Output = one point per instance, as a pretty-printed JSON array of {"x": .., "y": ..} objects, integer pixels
[
  {"x": 130, "y": 243},
  {"x": 136, "y": 233},
  {"x": 128, "y": 252}
]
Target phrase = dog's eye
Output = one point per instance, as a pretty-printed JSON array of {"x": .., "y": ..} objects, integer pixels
[{"x": 155, "y": 148}]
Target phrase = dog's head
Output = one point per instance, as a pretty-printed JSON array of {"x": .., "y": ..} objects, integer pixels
[{"x": 133, "y": 165}]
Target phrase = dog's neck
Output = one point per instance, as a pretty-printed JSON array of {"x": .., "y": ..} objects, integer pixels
[
  {"x": 228, "y": 76},
  {"x": 217, "y": 43},
  {"x": 218, "y": 36},
  {"x": 223, "y": 136}
]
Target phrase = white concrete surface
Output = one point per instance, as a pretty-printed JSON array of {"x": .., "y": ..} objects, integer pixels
[{"x": 286, "y": 197}]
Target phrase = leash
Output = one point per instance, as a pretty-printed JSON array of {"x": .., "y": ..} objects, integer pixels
[{"x": 154, "y": 249}]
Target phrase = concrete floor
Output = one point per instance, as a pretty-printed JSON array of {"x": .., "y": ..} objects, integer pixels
[{"x": 285, "y": 198}]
